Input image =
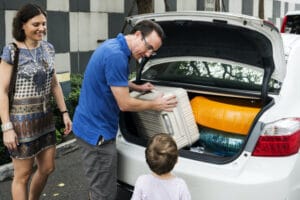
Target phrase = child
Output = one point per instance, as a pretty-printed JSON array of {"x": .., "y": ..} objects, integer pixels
[{"x": 161, "y": 156}]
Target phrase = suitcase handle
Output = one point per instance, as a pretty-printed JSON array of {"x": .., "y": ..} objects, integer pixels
[{"x": 168, "y": 124}]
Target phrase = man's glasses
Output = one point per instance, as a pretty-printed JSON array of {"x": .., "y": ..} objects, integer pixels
[{"x": 148, "y": 46}]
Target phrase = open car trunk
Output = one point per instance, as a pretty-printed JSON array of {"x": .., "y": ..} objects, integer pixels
[
  {"x": 229, "y": 67},
  {"x": 223, "y": 124}
]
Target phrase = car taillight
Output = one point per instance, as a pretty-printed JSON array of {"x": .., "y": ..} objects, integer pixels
[
  {"x": 284, "y": 21},
  {"x": 281, "y": 138}
]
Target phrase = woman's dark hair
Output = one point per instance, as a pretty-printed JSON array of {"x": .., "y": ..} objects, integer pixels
[
  {"x": 161, "y": 153},
  {"x": 24, "y": 14},
  {"x": 146, "y": 27}
]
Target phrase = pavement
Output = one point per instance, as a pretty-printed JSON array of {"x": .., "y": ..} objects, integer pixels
[{"x": 67, "y": 182}]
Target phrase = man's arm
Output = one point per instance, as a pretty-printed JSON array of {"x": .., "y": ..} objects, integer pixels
[{"x": 128, "y": 103}]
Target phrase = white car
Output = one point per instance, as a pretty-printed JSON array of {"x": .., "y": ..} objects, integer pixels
[
  {"x": 289, "y": 41},
  {"x": 291, "y": 22},
  {"x": 239, "y": 62}
]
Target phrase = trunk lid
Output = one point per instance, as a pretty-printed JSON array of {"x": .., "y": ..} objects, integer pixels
[{"x": 233, "y": 37}]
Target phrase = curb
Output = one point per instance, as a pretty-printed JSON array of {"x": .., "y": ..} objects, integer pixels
[{"x": 6, "y": 171}]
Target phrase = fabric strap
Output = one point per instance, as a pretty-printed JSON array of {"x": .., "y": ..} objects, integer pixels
[{"x": 15, "y": 56}]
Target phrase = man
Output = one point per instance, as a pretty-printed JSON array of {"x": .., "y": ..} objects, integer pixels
[{"x": 104, "y": 93}]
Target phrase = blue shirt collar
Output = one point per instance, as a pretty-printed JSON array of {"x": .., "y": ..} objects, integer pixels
[{"x": 124, "y": 45}]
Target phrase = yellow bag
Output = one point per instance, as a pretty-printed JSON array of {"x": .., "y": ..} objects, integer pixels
[{"x": 230, "y": 115}]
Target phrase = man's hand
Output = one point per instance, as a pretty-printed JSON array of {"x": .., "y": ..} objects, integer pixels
[
  {"x": 146, "y": 87},
  {"x": 141, "y": 88},
  {"x": 165, "y": 102}
]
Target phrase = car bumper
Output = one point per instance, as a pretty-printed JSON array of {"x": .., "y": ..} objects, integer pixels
[
  {"x": 245, "y": 178},
  {"x": 124, "y": 191}
]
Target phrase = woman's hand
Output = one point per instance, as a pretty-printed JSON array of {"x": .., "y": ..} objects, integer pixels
[
  {"x": 10, "y": 139},
  {"x": 67, "y": 122}
]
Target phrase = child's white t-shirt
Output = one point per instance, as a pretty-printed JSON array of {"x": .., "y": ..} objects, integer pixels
[{"x": 149, "y": 187}]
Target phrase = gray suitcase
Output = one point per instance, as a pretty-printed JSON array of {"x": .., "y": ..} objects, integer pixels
[{"x": 180, "y": 123}]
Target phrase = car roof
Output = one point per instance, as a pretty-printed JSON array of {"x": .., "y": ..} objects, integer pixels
[
  {"x": 293, "y": 12},
  {"x": 236, "y": 37}
]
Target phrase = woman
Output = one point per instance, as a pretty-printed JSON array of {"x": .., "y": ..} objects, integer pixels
[{"x": 27, "y": 125}]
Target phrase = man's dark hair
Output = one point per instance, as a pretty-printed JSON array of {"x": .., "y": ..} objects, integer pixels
[
  {"x": 146, "y": 27},
  {"x": 161, "y": 153},
  {"x": 25, "y": 13}
]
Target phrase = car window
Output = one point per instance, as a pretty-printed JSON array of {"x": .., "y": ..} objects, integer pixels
[
  {"x": 210, "y": 73},
  {"x": 293, "y": 24}
]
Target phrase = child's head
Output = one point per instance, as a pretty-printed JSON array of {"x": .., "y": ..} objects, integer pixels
[{"x": 161, "y": 153}]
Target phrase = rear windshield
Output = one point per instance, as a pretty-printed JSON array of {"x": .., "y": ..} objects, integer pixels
[
  {"x": 211, "y": 73},
  {"x": 293, "y": 24}
]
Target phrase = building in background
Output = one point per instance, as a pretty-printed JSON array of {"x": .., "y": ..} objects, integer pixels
[{"x": 77, "y": 27}]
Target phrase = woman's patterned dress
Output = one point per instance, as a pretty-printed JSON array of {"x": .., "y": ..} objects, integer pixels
[{"x": 31, "y": 112}]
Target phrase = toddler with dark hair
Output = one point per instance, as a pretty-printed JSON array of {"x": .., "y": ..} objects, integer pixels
[{"x": 161, "y": 157}]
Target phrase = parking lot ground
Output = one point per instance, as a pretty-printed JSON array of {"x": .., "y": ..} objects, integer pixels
[{"x": 66, "y": 183}]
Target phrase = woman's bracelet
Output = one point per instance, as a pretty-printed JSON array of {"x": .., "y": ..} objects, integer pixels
[
  {"x": 7, "y": 126},
  {"x": 63, "y": 112}
]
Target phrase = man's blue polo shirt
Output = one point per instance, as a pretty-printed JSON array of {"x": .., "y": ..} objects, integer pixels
[{"x": 97, "y": 112}]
